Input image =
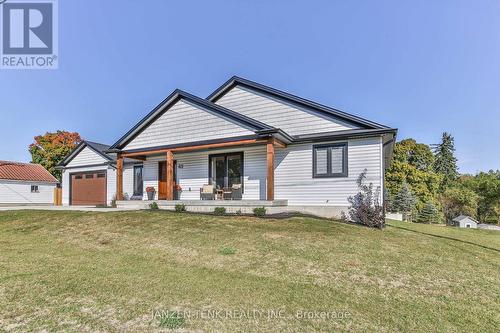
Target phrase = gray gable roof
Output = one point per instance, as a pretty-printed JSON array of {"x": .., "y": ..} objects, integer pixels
[
  {"x": 98, "y": 148},
  {"x": 367, "y": 128},
  {"x": 463, "y": 217},
  {"x": 175, "y": 96},
  {"x": 319, "y": 108}
]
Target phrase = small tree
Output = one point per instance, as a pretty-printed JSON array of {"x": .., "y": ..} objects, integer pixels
[
  {"x": 404, "y": 201},
  {"x": 428, "y": 214},
  {"x": 365, "y": 206}
]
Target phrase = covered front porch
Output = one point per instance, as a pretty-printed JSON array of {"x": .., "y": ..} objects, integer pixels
[{"x": 235, "y": 170}]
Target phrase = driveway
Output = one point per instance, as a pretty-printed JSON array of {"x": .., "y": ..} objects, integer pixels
[
  {"x": 488, "y": 226},
  {"x": 64, "y": 208}
]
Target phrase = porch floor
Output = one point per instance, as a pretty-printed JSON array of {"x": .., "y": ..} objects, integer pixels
[{"x": 204, "y": 203}]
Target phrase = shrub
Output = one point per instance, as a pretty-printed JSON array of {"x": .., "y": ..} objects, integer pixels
[
  {"x": 227, "y": 251},
  {"x": 180, "y": 208},
  {"x": 220, "y": 211},
  {"x": 259, "y": 211},
  {"x": 365, "y": 206},
  {"x": 153, "y": 206},
  {"x": 113, "y": 202}
]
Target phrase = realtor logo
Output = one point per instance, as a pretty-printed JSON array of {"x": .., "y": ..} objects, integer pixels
[{"x": 29, "y": 34}]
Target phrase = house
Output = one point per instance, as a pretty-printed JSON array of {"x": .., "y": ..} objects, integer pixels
[
  {"x": 270, "y": 147},
  {"x": 464, "y": 221},
  {"x": 25, "y": 184}
]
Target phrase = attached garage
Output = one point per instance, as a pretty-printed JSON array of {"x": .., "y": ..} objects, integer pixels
[
  {"x": 88, "y": 188},
  {"x": 89, "y": 175}
]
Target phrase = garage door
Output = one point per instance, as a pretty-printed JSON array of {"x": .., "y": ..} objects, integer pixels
[{"x": 88, "y": 188}]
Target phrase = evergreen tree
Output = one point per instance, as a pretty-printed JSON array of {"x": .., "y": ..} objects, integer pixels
[
  {"x": 445, "y": 163},
  {"x": 428, "y": 214},
  {"x": 404, "y": 201}
]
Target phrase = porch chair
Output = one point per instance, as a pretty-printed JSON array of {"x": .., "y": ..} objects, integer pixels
[
  {"x": 236, "y": 193},
  {"x": 207, "y": 192},
  {"x": 227, "y": 193}
]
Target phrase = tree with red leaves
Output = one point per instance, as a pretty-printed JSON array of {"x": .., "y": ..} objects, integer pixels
[{"x": 51, "y": 148}]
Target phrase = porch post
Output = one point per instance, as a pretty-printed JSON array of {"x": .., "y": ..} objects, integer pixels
[
  {"x": 270, "y": 169},
  {"x": 170, "y": 175},
  {"x": 119, "y": 177}
]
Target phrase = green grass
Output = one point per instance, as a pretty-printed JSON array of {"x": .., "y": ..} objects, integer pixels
[{"x": 157, "y": 270}]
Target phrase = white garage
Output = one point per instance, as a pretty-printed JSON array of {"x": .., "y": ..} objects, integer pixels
[{"x": 25, "y": 184}]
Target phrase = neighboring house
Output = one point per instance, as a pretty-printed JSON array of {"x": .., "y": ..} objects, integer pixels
[
  {"x": 277, "y": 147},
  {"x": 25, "y": 184},
  {"x": 464, "y": 221}
]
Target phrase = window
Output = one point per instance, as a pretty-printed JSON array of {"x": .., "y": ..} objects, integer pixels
[
  {"x": 226, "y": 170},
  {"x": 330, "y": 160},
  {"x": 101, "y": 175},
  {"x": 467, "y": 225},
  {"x": 34, "y": 189},
  {"x": 138, "y": 184},
  {"x": 78, "y": 177},
  {"x": 89, "y": 176}
]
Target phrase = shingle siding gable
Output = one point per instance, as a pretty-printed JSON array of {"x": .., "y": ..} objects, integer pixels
[{"x": 292, "y": 119}]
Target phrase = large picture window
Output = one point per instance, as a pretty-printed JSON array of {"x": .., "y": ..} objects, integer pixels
[
  {"x": 225, "y": 170},
  {"x": 330, "y": 160}
]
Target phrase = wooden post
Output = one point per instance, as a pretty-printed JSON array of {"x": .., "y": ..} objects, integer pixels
[
  {"x": 57, "y": 196},
  {"x": 270, "y": 169},
  {"x": 119, "y": 177},
  {"x": 170, "y": 175}
]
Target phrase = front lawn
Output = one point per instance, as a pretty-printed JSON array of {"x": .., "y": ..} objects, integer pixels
[{"x": 142, "y": 271}]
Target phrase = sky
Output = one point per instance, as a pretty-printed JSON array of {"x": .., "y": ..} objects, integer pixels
[{"x": 423, "y": 67}]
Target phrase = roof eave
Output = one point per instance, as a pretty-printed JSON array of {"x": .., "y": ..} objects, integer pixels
[{"x": 347, "y": 134}]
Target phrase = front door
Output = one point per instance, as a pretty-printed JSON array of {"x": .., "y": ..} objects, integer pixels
[{"x": 162, "y": 179}]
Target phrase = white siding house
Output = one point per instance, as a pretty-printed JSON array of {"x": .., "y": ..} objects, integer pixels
[
  {"x": 25, "y": 184},
  {"x": 272, "y": 147}
]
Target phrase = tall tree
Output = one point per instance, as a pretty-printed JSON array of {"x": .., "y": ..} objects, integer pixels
[
  {"x": 51, "y": 148},
  {"x": 412, "y": 164},
  {"x": 446, "y": 162}
]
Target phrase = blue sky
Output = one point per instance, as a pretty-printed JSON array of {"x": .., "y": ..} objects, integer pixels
[{"x": 422, "y": 66}]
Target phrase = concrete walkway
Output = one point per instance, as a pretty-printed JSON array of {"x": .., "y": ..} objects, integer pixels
[{"x": 66, "y": 208}]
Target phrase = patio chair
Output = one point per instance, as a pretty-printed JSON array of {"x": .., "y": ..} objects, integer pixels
[
  {"x": 207, "y": 192},
  {"x": 227, "y": 193},
  {"x": 236, "y": 193}
]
